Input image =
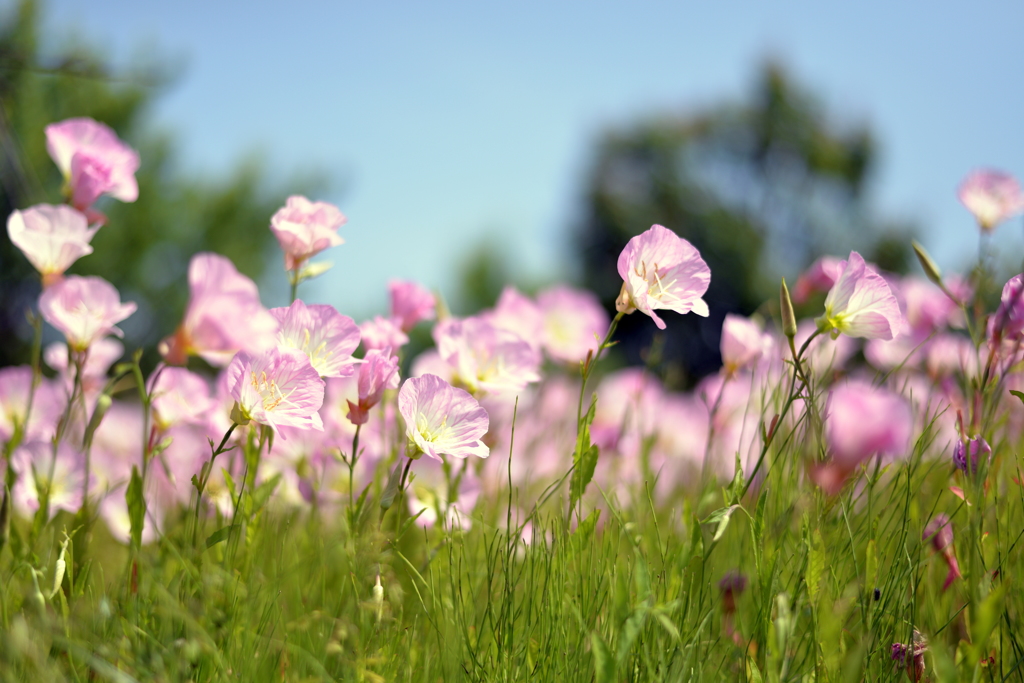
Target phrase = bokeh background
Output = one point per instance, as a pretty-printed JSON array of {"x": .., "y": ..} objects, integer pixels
[{"x": 475, "y": 144}]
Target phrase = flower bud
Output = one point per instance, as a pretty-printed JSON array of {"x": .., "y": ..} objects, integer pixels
[
  {"x": 788, "y": 316},
  {"x": 931, "y": 270}
]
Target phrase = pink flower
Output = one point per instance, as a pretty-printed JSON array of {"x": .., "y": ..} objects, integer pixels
[
  {"x": 85, "y": 309},
  {"x": 278, "y": 388},
  {"x": 327, "y": 337},
  {"x": 51, "y": 237},
  {"x": 442, "y": 420},
  {"x": 32, "y": 463},
  {"x": 179, "y": 397},
  {"x": 574, "y": 323},
  {"x": 102, "y": 354},
  {"x": 661, "y": 270},
  {"x": 224, "y": 315},
  {"x": 304, "y": 229},
  {"x": 93, "y": 160},
  {"x": 860, "y": 304},
  {"x": 382, "y": 333},
  {"x": 486, "y": 359},
  {"x": 992, "y": 196},
  {"x": 518, "y": 314},
  {"x": 47, "y": 405},
  {"x": 1008, "y": 321},
  {"x": 862, "y": 421},
  {"x": 378, "y": 372},
  {"x": 820, "y": 277},
  {"x": 743, "y": 343},
  {"x": 410, "y": 304}
]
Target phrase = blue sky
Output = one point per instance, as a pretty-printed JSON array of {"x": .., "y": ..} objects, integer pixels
[{"x": 438, "y": 124}]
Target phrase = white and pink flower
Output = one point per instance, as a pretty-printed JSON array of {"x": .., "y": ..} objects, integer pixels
[
  {"x": 441, "y": 419},
  {"x": 992, "y": 196},
  {"x": 85, "y": 309},
  {"x": 224, "y": 315},
  {"x": 378, "y": 372},
  {"x": 51, "y": 237},
  {"x": 574, "y": 322},
  {"x": 327, "y": 337},
  {"x": 278, "y": 388},
  {"x": 661, "y": 270},
  {"x": 860, "y": 304},
  {"x": 93, "y": 160},
  {"x": 304, "y": 229},
  {"x": 410, "y": 304}
]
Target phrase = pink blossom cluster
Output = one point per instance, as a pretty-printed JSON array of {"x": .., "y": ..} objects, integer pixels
[{"x": 331, "y": 391}]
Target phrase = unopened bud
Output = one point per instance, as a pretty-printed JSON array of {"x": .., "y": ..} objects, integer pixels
[
  {"x": 788, "y": 316},
  {"x": 378, "y": 598},
  {"x": 237, "y": 416},
  {"x": 929, "y": 266},
  {"x": 102, "y": 405},
  {"x": 624, "y": 302}
]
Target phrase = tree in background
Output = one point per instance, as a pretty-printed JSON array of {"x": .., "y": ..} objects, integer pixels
[
  {"x": 144, "y": 248},
  {"x": 761, "y": 188}
]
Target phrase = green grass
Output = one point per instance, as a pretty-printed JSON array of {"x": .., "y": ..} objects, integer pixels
[{"x": 630, "y": 593}]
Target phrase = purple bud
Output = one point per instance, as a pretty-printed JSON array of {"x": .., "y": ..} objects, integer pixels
[{"x": 977, "y": 447}]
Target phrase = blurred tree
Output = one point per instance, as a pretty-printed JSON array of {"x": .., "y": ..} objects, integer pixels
[
  {"x": 145, "y": 247},
  {"x": 760, "y": 188}
]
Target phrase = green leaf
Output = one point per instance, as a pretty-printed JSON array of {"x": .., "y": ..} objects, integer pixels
[
  {"x": 586, "y": 528},
  {"x": 582, "y": 475},
  {"x": 604, "y": 664},
  {"x": 136, "y": 506},
  {"x": 641, "y": 577},
  {"x": 753, "y": 673},
  {"x": 264, "y": 491},
  {"x": 630, "y": 630},
  {"x": 720, "y": 516},
  {"x": 220, "y": 535},
  {"x": 871, "y": 562},
  {"x": 1018, "y": 394},
  {"x": 985, "y": 620}
]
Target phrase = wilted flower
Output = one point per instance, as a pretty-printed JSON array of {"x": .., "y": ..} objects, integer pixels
[
  {"x": 93, "y": 160},
  {"x": 939, "y": 533},
  {"x": 441, "y": 419},
  {"x": 992, "y": 196},
  {"x": 378, "y": 372},
  {"x": 574, "y": 322},
  {"x": 898, "y": 654},
  {"x": 51, "y": 237},
  {"x": 977, "y": 447},
  {"x": 732, "y": 584},
  {"x": 278, "y": 388},
  {"x": 661, "y": 270},
  {"x": 224, "y": 315},
  {"x": 860, "y": 304},
  {"x": 327, "y": 337},
  {"x": 304, "y": 229},
  {"x": 410, "y": 304},
  {"x": 84, "y": 309}
]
